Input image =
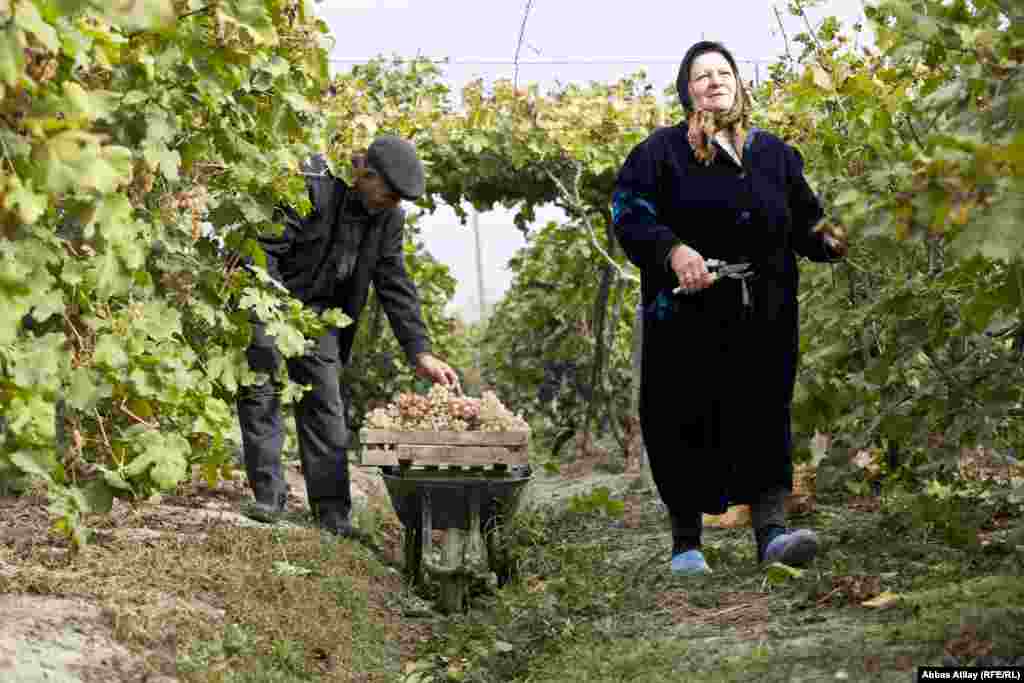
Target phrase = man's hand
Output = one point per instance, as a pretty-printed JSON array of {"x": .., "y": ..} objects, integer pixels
[{"x": 436, "y": 370}]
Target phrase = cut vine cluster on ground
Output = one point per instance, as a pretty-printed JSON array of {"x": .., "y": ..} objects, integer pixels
[{"x": 441, "y": 410}]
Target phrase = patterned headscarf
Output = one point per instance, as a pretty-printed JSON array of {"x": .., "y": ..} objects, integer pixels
[{"x": 705, "y": 124}]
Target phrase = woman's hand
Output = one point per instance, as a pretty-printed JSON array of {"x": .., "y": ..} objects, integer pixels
[
  {"x": 835, "y": 240},
  {"x": 689, "y": 267}
]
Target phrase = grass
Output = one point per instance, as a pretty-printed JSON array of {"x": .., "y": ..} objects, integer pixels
[
  {"x": 595, "y": 602},
  {"x": 211, "y": 602},
  {"x": 224, "y": 604}
]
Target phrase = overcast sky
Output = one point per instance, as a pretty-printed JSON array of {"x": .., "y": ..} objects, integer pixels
[{"x": 579, "y": 40}]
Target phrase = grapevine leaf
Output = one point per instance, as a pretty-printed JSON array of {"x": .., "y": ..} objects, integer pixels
[
  {"x": 110, "y": 352},
  {"x": 293, "y": 392},
  {"x": 216, "y": 416},
  {"x": 84, "y": 389},
  {"x": 158, "y": 156},
  {"x": 163, "y": 458},
  {"x": 30, "y": 205},
  {"x": 260, "y": 303},
  {"x": 35, "y": 463},
  {"x": 95, "y": 105},
  {"x": 252, "y": 16},
  {"x": 142, "y": 15},
  {"x": 336, "y": 317},
  {"x": 41, "y": 365},
  {"x": 288, "y": 340},
  {"x": 100, "y": 496},
  {"x": 12, "y": 55},
  {"x": 115, "y": 480}
]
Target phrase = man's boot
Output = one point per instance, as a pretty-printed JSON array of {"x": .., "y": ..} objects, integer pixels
[
  {"x": 334, "y": 517},
  {"x": 266, "y": 508}
]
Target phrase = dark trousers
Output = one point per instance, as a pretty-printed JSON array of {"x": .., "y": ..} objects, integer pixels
[
  {"x": 319, "y": 420},
  {"x": 768, "y": 511}
]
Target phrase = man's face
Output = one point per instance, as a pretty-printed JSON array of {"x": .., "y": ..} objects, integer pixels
[{"x": 376, "y": 192}]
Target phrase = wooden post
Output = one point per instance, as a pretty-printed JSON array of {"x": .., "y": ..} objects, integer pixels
[{"x": 638, "y": 341}]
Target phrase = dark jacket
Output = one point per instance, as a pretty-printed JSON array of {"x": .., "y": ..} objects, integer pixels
[
  {"x": 305, "y": 259},
  {"x": 718, "y": 376}
]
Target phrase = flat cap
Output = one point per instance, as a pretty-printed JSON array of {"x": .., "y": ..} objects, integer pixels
[{"x": 396, "y": 160}]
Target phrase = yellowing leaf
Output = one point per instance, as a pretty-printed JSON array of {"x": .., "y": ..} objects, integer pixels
[
  {"x": 28, "y": 18},
  {"x": 92, "y": 104},
  {"x": 211, "y": 473},
  {"x": 140, "y": 15},
  {"x": 141, "y": 408},
  {"x": 820, "y": 77},
  {"x": 883, "y": 600},
  {"x": 778, "y": 573},
  {"x": 12, "y": 54}
]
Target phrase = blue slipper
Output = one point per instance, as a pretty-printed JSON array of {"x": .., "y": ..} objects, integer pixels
[
  {"x": 690, "y": 563},
  {"x": 794, "y": 548}
]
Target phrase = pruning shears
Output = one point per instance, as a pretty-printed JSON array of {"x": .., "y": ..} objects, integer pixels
[{"x": 721, "y": 269}]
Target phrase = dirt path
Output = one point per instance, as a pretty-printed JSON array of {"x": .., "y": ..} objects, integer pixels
[
  {"x": 187, "y": 589},
  {"x": 73, "y": 620},
  {"x": 105, "y": 615},
  {"x": 597, "y": 603}
]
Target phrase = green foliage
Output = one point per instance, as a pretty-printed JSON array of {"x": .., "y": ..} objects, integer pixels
[
  {"x": 144, "y": 141},
  {"x": 914, "y": 345},
  {"x": 521, "y": 149},
  {"x": 598, "y": 500},
  {"x": 138, "y": 138},
  {"x": 540, "y": 341}
]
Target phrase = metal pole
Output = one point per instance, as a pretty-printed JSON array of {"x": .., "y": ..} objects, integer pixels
[{"x": 479, "y": 264}]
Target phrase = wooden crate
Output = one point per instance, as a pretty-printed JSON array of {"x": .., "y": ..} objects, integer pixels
[
  {"x": 386, "y": 447},
  {"x": 801, "y": 500}
]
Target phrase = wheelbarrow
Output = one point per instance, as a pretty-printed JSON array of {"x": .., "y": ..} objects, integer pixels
[{"x": 466, "y": 484}]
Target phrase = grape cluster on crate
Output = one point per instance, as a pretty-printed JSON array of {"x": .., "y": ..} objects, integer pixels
[{"x": 441, "y": 410}]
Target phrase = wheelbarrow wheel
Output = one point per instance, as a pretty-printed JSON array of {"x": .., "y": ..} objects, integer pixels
[
  {"x": 412, "y": 550},
  {"x": 499, "y": 558}
]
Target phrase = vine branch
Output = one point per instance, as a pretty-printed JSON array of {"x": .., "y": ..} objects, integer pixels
[
  {"x": 103, "y": 433},
  {"x": 519, "y": 45},
  {"x": 818, "y": 48},
  {"x": 1007, "y": 9},
  {"x": 785, "y": 36},
  {"x": 576, "y": 202},
  {"x": 201, "y": 10},
  {"x": 124, "y": 409},
  {"x": 7, "y": 156},
  {"x": 810, "y": 29}
]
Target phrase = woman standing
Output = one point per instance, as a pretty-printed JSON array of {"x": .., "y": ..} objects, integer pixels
[{"x": 715, "y": 214}]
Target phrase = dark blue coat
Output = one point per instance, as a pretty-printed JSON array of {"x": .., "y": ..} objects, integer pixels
[
  {"x": 718, "y": 377},
  {"x": 306, "y": 258}
]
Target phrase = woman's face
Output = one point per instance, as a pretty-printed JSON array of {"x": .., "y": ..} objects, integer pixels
[{"x": 712, "y": 82}]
